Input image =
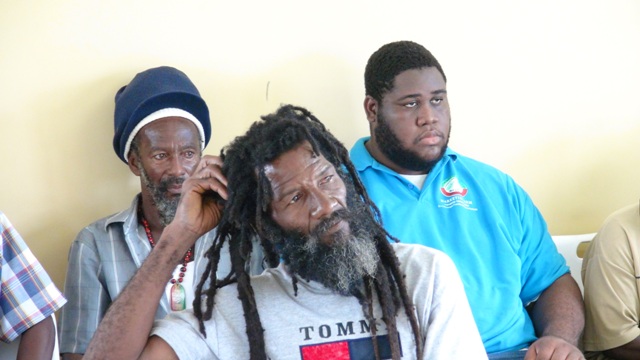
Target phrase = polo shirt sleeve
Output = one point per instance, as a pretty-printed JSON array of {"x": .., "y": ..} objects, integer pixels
[{"x": 542, "y": 264}]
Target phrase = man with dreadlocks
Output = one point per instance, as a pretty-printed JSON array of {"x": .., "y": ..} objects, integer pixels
[
  {"x": 524, "y": 301},
  {"x": 340, "y": 290}
]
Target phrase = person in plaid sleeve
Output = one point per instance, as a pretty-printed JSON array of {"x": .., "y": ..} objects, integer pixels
[{"x": 28, "y": 297}]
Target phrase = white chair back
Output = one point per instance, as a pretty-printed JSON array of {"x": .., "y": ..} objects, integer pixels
[{"x": 573, "y": 248}]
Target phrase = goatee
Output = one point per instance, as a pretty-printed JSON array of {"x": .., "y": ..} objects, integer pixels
[{"x": 165, "y": 203}]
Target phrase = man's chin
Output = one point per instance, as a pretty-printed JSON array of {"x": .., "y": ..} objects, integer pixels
[
  {"x": 169, "y": 199},
  {"x": 433, "y": 154}
]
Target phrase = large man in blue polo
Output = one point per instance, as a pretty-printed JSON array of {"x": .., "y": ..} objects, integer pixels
[{"x": 519, "y": 289}]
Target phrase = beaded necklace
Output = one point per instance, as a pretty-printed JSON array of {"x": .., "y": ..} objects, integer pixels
[{"x": 178, "y": 298}]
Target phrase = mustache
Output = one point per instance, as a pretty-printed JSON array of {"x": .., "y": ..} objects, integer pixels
[
  {"x": 170, "y": 181},
  {"x": 325, "y": 224}
]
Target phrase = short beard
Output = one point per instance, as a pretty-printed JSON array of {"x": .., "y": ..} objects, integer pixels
[
  {"x": 341, "y": 266},
  {"x": 390, "y": 145},
  {"x": 165, "y": 204}
]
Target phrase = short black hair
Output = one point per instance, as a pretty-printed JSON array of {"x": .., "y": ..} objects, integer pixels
[{"x": 392, "y": 59}]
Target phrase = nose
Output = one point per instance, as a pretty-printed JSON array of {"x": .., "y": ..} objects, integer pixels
[
  {"x": 177, "y": 166},
  {"x": 426, "y": 115},
  {"x": 321, "y": 204}
]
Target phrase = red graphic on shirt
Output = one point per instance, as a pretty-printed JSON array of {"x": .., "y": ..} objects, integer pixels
[
  {"x": 353, "y": 349},
  {"x": 336, "y": 350},
  {"x": 453, "y": 187}
]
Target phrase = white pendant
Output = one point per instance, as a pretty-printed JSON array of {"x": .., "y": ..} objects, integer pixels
[{"x": 178, "y": 297}]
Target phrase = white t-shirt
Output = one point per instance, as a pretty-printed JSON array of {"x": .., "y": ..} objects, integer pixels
[
  {"x": 318, "y": 323},
  {"x": 416, "y": 180}
]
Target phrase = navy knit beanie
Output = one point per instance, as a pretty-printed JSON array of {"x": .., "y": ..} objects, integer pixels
[{"x": 151, "y": 95}]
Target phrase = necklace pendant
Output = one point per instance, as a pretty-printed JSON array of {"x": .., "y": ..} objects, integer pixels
[{"x": 178, "y": 297}]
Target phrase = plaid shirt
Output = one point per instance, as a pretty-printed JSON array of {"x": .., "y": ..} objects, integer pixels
[{"x": 27, "y": 294}]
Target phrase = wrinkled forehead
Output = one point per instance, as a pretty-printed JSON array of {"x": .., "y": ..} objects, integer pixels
[{"x": 294, "y": 165}]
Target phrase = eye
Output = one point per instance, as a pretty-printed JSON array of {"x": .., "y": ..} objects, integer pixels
[
  {"x": 411, "y": 104},
  {"x": 437, "y": 101},
  {"x": 326, "y": 179},
  {"x": 295, "y": 198},
  {"x": 189, "y": 154},
  {"x": 160, "y": 156}
]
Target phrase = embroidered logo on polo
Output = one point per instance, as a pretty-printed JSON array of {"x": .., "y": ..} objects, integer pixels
[
  {"x": 354, "y": 349},
  {"x": 454, "y": 192}
]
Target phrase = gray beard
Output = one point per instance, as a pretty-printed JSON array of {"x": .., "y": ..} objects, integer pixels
[
  {"x": 341, "y": 266},
  {"x": 166, "y": 205}
]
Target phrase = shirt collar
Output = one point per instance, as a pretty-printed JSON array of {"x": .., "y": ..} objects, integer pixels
[{"x": 124, "y": 216}]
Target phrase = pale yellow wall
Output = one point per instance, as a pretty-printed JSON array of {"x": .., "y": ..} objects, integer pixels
[{"x": 545, "y": 90}]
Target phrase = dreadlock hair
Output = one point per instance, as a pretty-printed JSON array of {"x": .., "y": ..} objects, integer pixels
[
  {"x": 246, "y": 216},
  {"x": 392, "y": 59}
]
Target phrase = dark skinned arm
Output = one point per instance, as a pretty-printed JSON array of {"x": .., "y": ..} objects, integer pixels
[
  {"x": 124, "y": 331},
  {"x": 558, "y": 317},
  {"x": 38, "y": 341},
  {"x": 628, "y": 351}
]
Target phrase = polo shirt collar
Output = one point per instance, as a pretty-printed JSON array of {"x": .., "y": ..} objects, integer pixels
[{"x": 362, "y": 159}]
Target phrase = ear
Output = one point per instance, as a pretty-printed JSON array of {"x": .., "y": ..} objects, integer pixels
[
  {"x": 133, "y": 163},
  {"x": 371, "y": 109}
]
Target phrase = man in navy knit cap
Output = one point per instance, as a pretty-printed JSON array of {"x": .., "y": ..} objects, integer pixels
[{"x": 161, "y": 128}]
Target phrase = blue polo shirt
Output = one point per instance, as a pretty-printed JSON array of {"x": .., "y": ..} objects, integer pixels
[{"x": 486, "y": 223}]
